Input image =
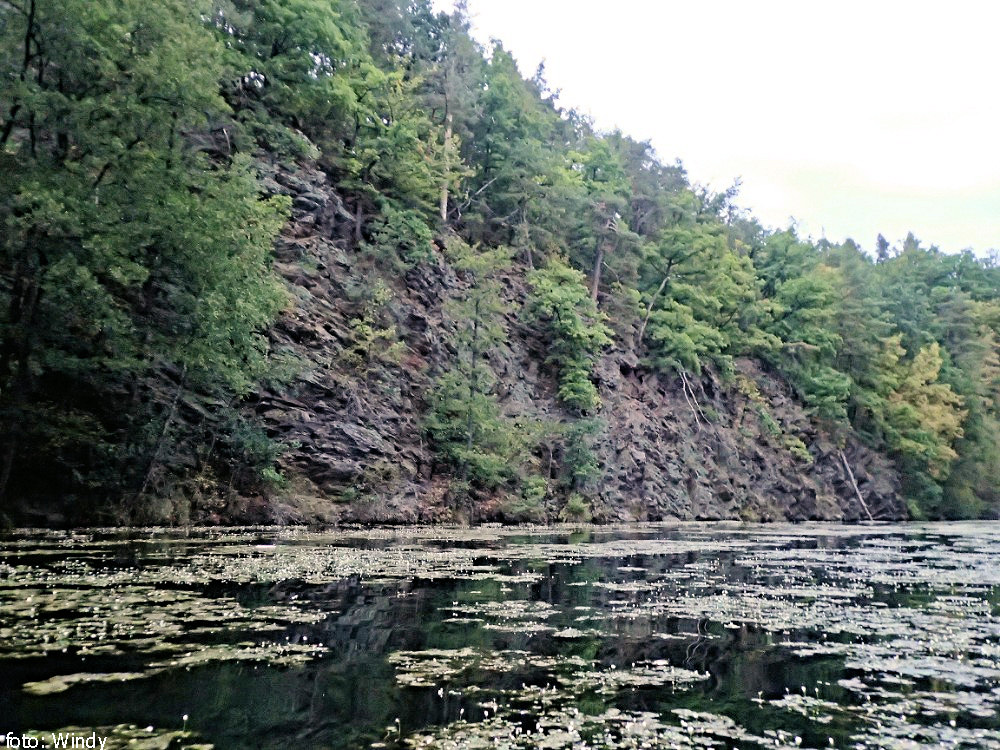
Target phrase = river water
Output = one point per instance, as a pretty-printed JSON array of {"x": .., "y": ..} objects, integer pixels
[{"x": 646, "y": 635}]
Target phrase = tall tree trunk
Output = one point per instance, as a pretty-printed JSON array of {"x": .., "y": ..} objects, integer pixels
[
  {"x": 447, "y": 169},
  {"x": 595, "y": 282},
  {"x": 358, "y": 216},
  {"x": 599, "y": 265},
  {"x": 652, "y": 301},
  {"x": 29, "y": 31}
]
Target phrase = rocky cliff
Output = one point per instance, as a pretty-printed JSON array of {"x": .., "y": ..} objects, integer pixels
[{"x": 711, "y": 447}]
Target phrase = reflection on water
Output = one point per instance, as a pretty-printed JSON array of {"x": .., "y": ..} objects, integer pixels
[{"x": 692, "y": 635}]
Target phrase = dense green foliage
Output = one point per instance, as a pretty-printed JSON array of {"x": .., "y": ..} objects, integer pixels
[
  {"x": 135, "y": 277},
  {"x": 465, "y": 421},
  {"x": 135, "y": 259},
  {"x": 575, "y": 329}
]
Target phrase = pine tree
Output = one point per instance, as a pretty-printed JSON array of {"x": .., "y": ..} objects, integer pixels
[
  {"x": 465, "y": 423},
  {"x": 577, "y": 333}
]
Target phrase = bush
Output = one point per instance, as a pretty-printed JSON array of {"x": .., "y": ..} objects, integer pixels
[
  {"x": 769, "y": 423},
  {"x": 401, "y": 234},
  {"x": 528, "y": 507},
  {"x": 576, "y": 509},
  {"x": 579, "y": 462},
  {"x": 797, "y": 448}
]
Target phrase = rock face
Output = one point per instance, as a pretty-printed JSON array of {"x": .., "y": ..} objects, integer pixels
[
  {"x": 709, "y": 456},
  {"x": 670, "y": 450}
]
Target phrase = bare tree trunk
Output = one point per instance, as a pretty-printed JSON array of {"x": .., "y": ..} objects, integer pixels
[
  {"x": 694, "y": 412},
  {"x": 652, "y": 301},
  {"x": 649, "y": 310},
  {"x": 447, "y": 168},
  {"x": 23, "y": 297},
  {"x": 694, "y": 396},
  {"x": 854, "y": 483}
]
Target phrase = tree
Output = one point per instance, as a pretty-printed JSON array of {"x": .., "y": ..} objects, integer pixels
[
  {"x": 606, "y": 185},
  {"x": 465, "y": 423},
  {"x": 576, "y": 330},
  {"x": 924, "y": 421},
  {"x": 136, "y": 258},
  {"x": 303, "y": 63},
  {"x": 804, "y": 315},
  {"x": 516, "y": 190},
  {"x": 881, "y": 249}
]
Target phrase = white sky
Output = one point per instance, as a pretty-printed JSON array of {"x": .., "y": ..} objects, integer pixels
[{"x": 852, "y": 117}]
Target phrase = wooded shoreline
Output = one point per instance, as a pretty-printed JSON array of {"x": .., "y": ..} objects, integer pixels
[{"x": 331, "y": 261}]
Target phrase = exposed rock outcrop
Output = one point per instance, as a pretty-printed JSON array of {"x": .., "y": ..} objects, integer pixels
[{"x": 669, "y": 450}]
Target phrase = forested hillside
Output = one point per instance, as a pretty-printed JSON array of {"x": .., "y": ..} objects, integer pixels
[{"x": 305, "y": 259}]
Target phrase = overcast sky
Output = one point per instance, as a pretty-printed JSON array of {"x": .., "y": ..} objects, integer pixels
[{"x": 852, "y": 117}]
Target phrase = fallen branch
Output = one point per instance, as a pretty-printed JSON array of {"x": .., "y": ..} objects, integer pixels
[
  {"x": 854, "y": 482},
  {"x": 694, "y": 399}
]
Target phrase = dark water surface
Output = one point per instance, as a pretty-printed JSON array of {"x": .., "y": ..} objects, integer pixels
[{"x": 648, "y": 635}]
